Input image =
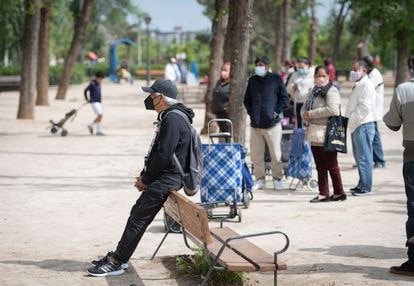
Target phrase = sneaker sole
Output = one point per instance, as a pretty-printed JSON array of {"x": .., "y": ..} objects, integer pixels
[
  {"x": 404, "y": 273},
  {"x": 361, "y": 195},
  {"x": 112, "y": 273},
  {"x": 123, "y": 265}
]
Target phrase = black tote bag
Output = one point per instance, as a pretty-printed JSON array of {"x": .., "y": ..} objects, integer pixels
[{"x": 335, "y": 139}]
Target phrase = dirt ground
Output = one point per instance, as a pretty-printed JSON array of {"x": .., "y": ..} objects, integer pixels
[{"x": 64, "y": 201}]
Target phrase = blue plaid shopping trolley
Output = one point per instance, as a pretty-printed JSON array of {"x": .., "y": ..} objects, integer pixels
[{"x": 224, "y": 180}]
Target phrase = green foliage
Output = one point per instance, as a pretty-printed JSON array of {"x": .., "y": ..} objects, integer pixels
[{"x": 197, "y": 265}]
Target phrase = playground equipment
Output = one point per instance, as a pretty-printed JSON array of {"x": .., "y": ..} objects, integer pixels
[{"x": 113, "y": 57}]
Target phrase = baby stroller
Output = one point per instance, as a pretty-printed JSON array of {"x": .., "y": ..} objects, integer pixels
[
  {"x": 226, "y": 179},
  {"x": 56, "y": 126},
  {"x": 300, "y": 162}
]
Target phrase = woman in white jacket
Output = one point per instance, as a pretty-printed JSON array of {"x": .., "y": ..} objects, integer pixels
[{"x": 299, "y": 85}]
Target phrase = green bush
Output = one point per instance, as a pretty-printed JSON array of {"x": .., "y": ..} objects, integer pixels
[
  {"x": 197, "y": 265},
  {"x": 12, "y": 70}
]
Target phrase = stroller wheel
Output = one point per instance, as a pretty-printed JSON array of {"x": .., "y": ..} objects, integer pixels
[
  {"x": 53, "y": 130},
  {"x": 312, "y": 184},
  {"x": 64, "y": 132}
]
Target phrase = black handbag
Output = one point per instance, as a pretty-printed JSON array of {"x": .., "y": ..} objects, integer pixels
[{"x": 335, "y": 140}]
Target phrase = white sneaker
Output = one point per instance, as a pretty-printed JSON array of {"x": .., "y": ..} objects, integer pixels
[
  {"x": 259, "y": 184},
  {"x": 277, "y": 184}
]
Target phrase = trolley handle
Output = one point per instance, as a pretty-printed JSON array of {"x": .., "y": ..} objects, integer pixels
[{"x": 221, "y": 120}]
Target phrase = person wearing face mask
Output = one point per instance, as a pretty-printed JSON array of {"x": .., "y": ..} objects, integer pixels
[
  {"x": 324, "y": 101},
  {"x": 287, "y": 70},
  {"x": 299, "y": 85},
  {"x": 159, "y": 177},
  {"x": 401, "y": 114},
  {"x": 360, "y": 113},
  {"x": 265, "y": 100},
  {"x": 376, "y": 78},
  {"x": 221, "y": 96}
]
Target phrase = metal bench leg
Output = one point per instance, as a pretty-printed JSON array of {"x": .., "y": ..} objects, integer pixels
[
  {"x": 207, "y": 276},
  {"x": 159, "y": 245},
  {"x": 275, "y": 272}
]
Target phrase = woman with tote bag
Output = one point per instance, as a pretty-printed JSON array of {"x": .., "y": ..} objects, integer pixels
[{"x": 323, "y": 101}]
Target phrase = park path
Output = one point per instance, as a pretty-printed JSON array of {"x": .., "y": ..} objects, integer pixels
[{"x": 65, "y": 200}]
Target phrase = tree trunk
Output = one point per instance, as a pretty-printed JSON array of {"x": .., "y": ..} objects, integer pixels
[
  {"x": 228, "y": 45},
  {"x": 339, "y": 24},
  {"x": 43, "y": 55},
  {"x": 279, "y": 39},
  {"x": 218, "y": 31},
  {"x": 402, "y": 59},
  {"x": 242, "y": 15},
  {"x": 78, "y": 36},
  {"x": 287, "y": 30},
  {"x": 313, "y": 32},
  {"x": 29, "y": 62}
]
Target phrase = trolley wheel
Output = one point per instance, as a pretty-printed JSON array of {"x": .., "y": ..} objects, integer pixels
[
  {"x": 239, "y": 214},
  {"x": 312, "y": 184},
  {"x": 246, "y": 199},
  {"x": 53, "y": 130},
  {"x": 64, "y": 132}
]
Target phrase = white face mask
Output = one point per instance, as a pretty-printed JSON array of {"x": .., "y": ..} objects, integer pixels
[
  {"x": 291, "y": 70},
  {"x": 260, "y": 70},
  {"x": 355, "y": 75}
]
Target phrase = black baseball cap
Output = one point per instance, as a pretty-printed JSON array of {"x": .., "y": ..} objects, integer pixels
[{"x": 164, "y": 86}]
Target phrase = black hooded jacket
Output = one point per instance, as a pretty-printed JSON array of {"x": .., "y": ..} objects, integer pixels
[{"x": 173, "y": 137}]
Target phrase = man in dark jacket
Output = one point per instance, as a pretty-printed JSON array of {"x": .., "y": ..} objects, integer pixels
[
  {"x": 159, "y": 176},
  {"x": 265, "y": 100}
]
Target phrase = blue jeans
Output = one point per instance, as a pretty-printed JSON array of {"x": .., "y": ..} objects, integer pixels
[
  {"x": 408, "y": 173},
  {"x": 377, "y": 147},
  {"x": 362, "y": 139}
]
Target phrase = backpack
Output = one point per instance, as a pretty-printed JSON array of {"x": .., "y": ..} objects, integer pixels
[{"x": 192, "y": 179}]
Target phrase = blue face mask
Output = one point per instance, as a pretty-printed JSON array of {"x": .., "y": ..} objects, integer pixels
[{"x": 303, "y": 71}]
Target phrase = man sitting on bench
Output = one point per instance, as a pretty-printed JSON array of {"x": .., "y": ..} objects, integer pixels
[{"x": 159, "y": 177}]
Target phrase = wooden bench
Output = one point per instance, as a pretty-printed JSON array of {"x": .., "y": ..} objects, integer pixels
[
  {"x": 224, "y": 248},
  {"x": 9, "y": 82}
]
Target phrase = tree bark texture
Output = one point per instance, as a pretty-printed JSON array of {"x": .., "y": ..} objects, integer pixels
[
  {"x": 78, "y": 37},
  {"x": 216, "y": 56},
  {"x": 313, "y": 32},
  {"x": 242, "y": 15},
  {"x": 29, "y": 62},
  {"x": 43, "y": 55},
  {"x": 279, "y": 38},
  {"x": 402, "y": 59},
  {"x": 287, "y": 30}
]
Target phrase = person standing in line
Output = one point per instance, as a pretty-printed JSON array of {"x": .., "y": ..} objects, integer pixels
[
  {"x": 299, "y": 85},
  {"x": 265, "y": 100},
  {"x": 324, "y": 101},
  {"x": 331, "y": 68},
  {"x": 376, "y": 78},
  {"x": 360, "y": 113},
  {"x": 160, "y": 176},
  {"x": 221, "y": 96},
  {"x": 95, "y": 99},
  {"x": 172, "y": 72},
  {"x": 401, "y": 113}
]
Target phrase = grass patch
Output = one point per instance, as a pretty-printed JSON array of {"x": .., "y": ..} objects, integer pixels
[{"x": 197, "y": 265}]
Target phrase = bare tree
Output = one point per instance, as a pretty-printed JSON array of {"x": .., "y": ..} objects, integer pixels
[
  {"x": 402, "y": 58},
  {"x": 218, "y": 31},
  {"x": 279, "y": 38},
  {"x": 241, "y": 12},
  {"x": 42, "y": 84},
  {"x": 29, "y": 63},
  {"x": 78, "y": 36},
  {"x": 313, "y": 31}
]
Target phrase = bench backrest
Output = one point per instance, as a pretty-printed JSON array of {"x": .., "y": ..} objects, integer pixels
[{"x": 192, "y": 217}]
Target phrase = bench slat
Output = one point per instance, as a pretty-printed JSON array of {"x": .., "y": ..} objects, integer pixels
[
  {"x": 261, "y": 257},
  {"x": 229, "y": 259}
]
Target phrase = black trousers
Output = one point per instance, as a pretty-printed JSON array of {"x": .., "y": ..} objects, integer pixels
[{"x": 142, "y": 214}]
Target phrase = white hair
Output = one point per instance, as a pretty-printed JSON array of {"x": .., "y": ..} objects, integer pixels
[{"x": 170, "y": 101}]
